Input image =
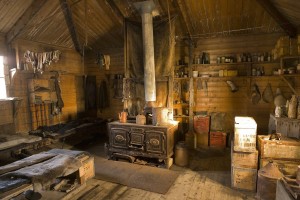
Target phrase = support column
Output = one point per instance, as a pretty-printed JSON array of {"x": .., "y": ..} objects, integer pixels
[{"x": 145, "y": 8}]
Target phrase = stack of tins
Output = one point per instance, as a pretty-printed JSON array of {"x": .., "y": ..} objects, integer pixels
[
  {"x": 244, "y": 156},
  {"x": 284, "y": 153},
  {"x": 201, "y": 128}
]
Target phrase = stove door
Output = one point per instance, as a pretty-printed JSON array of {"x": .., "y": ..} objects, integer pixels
[
  {"x": 155, "y": 141},
  {"x": 119, "y": 137}
]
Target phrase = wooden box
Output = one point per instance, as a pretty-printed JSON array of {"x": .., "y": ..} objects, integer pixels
[
  {"x": 245, "y": 134},
  {"x": 217, "y": 139},
  {"x": 288, "y": 127},
  {"x": 244, "y": 159},
  {"x": 39, "y": 97},
  {"x": 202, "y": 139},
  {"x": 286, "y": 148},
  {"x": 201, "y": 123},
  {"x": 35, "y": 85},
  {"x": 287, "y": 167},
  {"x": 243, "y": 178},
  {"x": 87, "y": 170}
]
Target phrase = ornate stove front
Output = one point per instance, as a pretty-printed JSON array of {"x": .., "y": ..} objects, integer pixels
[
  {"x": 141, "y": 142},
  {"x": 155, "y": 142},
  {"x": 119, "y": 137}
]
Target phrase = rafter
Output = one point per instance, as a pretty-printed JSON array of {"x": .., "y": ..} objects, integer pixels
[
  {"x": 181, "y": 7},
  {"x": 284, "y": 23},
  {"x": 31, "y": 11},
  {"x": 71, "y": 26},
  {"x": 115, "y": 10}
]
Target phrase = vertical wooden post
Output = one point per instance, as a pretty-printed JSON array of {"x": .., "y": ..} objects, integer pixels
[{"x": 191, "y": 89}]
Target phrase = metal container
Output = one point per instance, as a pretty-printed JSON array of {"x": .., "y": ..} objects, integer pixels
[
  {"x": 181, "y": 154},
  {"x": 159, "y": 116},
  {"x": 267, "y": 180}
]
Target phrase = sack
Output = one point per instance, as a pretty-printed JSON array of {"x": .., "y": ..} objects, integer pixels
[{"x": 268, "y": 94}]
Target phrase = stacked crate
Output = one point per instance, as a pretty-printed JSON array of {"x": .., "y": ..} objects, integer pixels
[
  {"x": 201, "y": 128},
  {"x": 244, "y": 156},
  {"x": 285, "y": 46},
  {"x": 284, "y": 153},
  {"x": 217, "y": 133}
]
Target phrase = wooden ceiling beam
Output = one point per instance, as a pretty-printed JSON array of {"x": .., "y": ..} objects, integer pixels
[
  {"x": 71, "y": 26},
  {"x": 115, "y": 10},
  {"x": 284, "y": 23},
  {"x": 17, "y": 28},
  {"x": 181, "y": 7}
]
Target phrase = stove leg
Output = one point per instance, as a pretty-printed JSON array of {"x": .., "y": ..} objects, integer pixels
[{"x": 168, "y": 162}]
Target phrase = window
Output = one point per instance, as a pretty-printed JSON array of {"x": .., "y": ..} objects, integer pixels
[{"x": 2, "y": 80}]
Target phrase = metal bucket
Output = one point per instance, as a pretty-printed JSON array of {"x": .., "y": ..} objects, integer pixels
[
  {"x": 181, "y": 154},
  {"x": 159, "y": 116}
]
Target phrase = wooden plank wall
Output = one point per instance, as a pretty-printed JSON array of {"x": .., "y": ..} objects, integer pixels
[
  {"x": 2, "y": 45},
  {"x": 70, "y": 68},
  {"x": 218, "y": 96},
  {"x": 116, "y": 67}
]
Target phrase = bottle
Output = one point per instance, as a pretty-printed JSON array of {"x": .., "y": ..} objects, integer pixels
[
  {"x": 262, "y": 71},
  {"x": 292, "y": 110},
  {"x": 253, "y": 71},
  {"x": 269, "y": 57},
  {"x": 258, "y": 72},
  {"x": 203, "y": 58}
]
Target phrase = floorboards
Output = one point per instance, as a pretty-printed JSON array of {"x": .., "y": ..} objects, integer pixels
[{"x": 207, "y": 177}]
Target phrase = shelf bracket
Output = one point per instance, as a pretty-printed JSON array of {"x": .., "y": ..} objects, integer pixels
[{"x": 289, "y": 84}]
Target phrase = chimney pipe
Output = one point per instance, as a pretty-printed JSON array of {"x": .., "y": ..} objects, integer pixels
[{"x": 145, "y": 8}]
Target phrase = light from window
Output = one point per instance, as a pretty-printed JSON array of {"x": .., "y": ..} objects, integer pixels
[{"x": 2, "y": 80}]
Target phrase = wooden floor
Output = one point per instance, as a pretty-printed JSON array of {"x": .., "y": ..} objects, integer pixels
[{"x": 207, "y": 177}]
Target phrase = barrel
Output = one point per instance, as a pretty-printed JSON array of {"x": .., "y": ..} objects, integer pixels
[{"x": 181, "y": 154}]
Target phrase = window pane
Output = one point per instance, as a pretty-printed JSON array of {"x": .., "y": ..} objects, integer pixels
[
  {"x": 1, "y": 67},
  {"x": 2, "y": 88}
]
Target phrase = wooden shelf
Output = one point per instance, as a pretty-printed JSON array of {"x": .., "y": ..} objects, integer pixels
[
  {"x": 239, "y": 77},
  {"x": 179, "y": 105},
  {"x": 181, "y": 116},
  {"x": 236, "y": 63},
  {"x": 181, "y": 78}
]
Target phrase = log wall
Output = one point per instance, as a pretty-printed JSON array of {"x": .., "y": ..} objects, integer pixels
[
  {"x": 70, "y": 69},
  {"x": 108, "y": 75},
  {"x": 218, "y": 96}
]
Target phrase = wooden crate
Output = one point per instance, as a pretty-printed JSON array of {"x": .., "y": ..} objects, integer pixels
[
  {"x": 245, "y": 134},
  {"x": 286, "y": 148},
  {"x": 288, "y": 127},
  {"x": 244, "y": 159},
  {"x": 243, "y": 178},
  {"x": 201, "y": 124},
  {"x": 288, "y": 167},
  {"x": 202, "y": 139},
  {"x": 87, "y": 170},
  {"x": 217, "y": 139}
]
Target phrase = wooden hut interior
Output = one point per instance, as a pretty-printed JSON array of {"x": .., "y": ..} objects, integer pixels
[{"x": 150, "y": 99}]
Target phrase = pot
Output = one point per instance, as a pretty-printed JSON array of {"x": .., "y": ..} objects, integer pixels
[
  {"x": 141, "y": 119},
  {"x": 123, "y": 117}
]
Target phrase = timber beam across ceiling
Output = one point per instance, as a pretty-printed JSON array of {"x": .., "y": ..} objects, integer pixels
[
  {"x": 289, "y": 28},
  {"x": 71, "y": 26},
  {"x": 114, "y": 9},
  {"x": 180, "y": 5},
  {"x": 30, "y": 12}
]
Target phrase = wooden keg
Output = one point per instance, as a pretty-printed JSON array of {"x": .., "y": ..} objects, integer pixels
[{"x": 181, "y": 154}]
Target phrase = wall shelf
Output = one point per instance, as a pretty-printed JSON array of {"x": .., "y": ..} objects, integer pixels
[{"x": 236, "y": 63}]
